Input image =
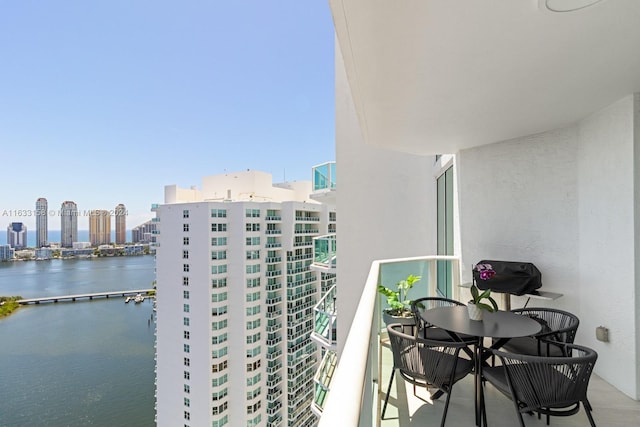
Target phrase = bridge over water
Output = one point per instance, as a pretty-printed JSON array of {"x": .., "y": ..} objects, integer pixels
[{"x": 83, "y": 296}]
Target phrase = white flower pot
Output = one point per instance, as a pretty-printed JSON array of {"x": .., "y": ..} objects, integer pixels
[{"x": 475, "y": 313}]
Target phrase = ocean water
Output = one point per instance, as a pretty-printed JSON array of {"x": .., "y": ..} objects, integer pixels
[{"x": 83, "y": 363}]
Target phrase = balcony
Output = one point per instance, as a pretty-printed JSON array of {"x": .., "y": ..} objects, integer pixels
[
  {"x": 322, "y": 381},
  {"x": 325, "y": 320},
  {"x": 324, "y": 182},
  {"x": 324, "y": 249},
  {"x": 366, "y": 361}
]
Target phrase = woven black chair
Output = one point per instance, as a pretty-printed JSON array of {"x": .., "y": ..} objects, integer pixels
[
  {"x": 429, "y": 331},
  {"x": 554, "y": 386},
  {"x": 426, "y": 363},
  {"x": 558, "y": 328}
]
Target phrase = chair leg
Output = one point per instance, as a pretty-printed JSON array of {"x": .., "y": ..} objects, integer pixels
[
  {"x": 386, "y": 398},
  {"x": 446, "y": 408},
  {"x": 587, "y": 409}
]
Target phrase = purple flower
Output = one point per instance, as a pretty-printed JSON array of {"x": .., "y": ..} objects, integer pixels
[{"x": 486, "y": 271}]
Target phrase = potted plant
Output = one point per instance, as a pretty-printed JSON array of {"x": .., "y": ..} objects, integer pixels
[
  {"x": 399, "y": 310},
  {"x": 476, "y": 306}
]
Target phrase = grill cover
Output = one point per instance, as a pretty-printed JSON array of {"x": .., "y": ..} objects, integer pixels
[{"x": 512, "y": 277}]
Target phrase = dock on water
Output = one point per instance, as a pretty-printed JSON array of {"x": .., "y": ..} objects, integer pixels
[{"x": 84, "y": 296}]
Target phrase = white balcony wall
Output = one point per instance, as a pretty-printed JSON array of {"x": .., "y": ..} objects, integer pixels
[
  {"x": 386, "y": 204},
  {"x": 566, "y": 200}
]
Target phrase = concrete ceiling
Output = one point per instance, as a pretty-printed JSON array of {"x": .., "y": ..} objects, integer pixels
[{"x": 437, "y": 76}]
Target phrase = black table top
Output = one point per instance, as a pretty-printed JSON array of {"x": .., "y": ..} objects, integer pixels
[{"x": 500, "y": 324}]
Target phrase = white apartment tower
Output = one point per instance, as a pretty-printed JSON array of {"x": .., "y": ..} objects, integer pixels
[{"x": 235, "y": 302}]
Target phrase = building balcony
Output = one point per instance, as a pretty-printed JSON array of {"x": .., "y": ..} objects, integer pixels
[
  {"x": 365, "y": 364},
  {"x": 154, "y": 207},
  {"x": 324, "y": 182},
  {"x": 324, "y": 253},
  {"x": 325, "y": 320}
]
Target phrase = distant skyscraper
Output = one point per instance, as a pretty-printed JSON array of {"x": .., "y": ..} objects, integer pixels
[
  {"x": 145, "y": 233},
  {"x": 68, "y": 224},
  {"x": 121, "y": 224},
  {"x": 17, "y": 235},
  {"x": 99, "y": 227},
  {"x": 42, "y": 228}
]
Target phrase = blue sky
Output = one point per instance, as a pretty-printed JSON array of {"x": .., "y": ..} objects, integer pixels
[{"x": 106, "y": 102}]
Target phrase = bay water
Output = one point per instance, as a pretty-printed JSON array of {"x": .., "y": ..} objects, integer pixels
[{"x": 83, "y": 363}]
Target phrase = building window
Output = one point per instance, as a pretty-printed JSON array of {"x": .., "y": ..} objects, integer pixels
[
  {"x": 185, "y": 254},
  {"x": 253, "y": 352},
  {"x": 185, "y": 240},
  {"x": 218, "y": 213},
  {"x": 186, "y": 335},
  {"x": 223, "y": 422},
  {"x": 253, "y": 394},
  {"x": 253, "y": 254},
  {"x": 254, "y": 296},
  {"x": 185, "y": 227},
  {"x": 185, "y": 268},
  {"x": 185, "y": 321},
  {"x": 253, "y": 324},
  {"x": 215, "y": 382},
  {"x": 215, "y": 255},
  {"x": 254, "y": 408},
  {"x": 219, "y": 367},
  {"x": 219, "y": 409},
  {"x": 187, "y": 416},
  {"x": 253, "y": 283},
  {"x": 252, "y": 311},
  {"x": 253, "y": 338},
  {"x": 216, "y": 326},
  {"x": 253, "y": 241},
  {"x": 187, "y": 388},
  {"x": 187, "y": 361},
  {"x": 187, "y": 402},
  {"x": 185, "y": 281},
  {"x": 219, "y": 283},
  {"x": 253, "y": 366},
  {"x": 215, "y": 354},
  {"x": 185, "y": 308},
  {"x": 253, "y": 227},
  {"x": 219, "y": 339},
  {"x": 253, "y": 268},
  {"x": 218, "y": 241},
  {"x": 252, "y": 213},
  {"x": 222, "y": 296},
  {"x": 218, "y": 227},
  {"x": 186, "y": 348},
  {"x": 185, "y": 213},
  {"x": 185, "y": 294},
  {"x": 219, "y": 395},
  {"x": 218, "y": 269},
  {"x": 186, "y": 375},
  {"x": 217, "y": 311}
]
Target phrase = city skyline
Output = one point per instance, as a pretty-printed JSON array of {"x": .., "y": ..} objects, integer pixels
[{"x": 115, "y": 100}]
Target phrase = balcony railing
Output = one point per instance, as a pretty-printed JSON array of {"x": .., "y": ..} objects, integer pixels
[
  {"x": 324, "y": 314},
  {"x": 324, "y": 177},
  {"x": 358, "y": 372},
  {"x": 324, "y": 249}
]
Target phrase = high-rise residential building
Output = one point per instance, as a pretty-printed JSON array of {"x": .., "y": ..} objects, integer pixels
[
  {"x": 42, "y": 221},
  {"x": 120, "y": 217},
  {"x": 17, "y": 235},
  {"x": 235, "y": 302},
  {"x": 6, "y": 252},
  {"x": 68, "y": 224},
  {"x": 145, "y": 233},
  {"x": 99, "y": 227}
]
